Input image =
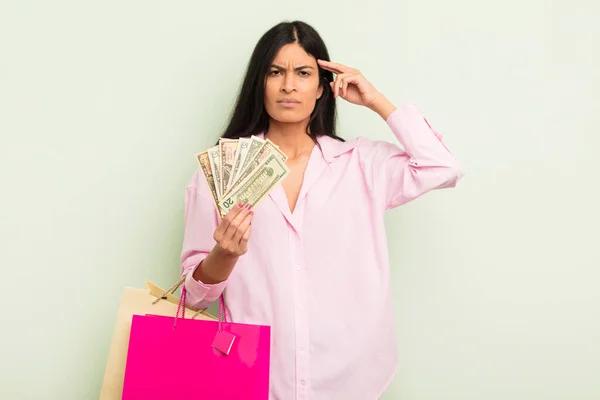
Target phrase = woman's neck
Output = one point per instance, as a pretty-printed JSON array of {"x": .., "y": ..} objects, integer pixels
[{"x": 291, "y": 138}]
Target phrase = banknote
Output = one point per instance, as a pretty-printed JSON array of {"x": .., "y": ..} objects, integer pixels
[
  {"x": 240, "y": 156},
  {"x": 242, "y": 170},
  {"x": 261, "y": 155},
  {"x": 215, "y": 165},
  {"x": 227, "y": 149},
  {"x": 257, "y": 185},
  {"x": 255, "y": 145},
  {"x": 267, "y": 148},
  {"x": 204, "y": 163}
]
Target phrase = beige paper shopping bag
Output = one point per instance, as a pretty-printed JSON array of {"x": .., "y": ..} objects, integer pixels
[{"x": 137, "y": 301}]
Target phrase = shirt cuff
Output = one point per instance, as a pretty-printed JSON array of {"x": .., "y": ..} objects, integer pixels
[{"x": 201, "y": 292}]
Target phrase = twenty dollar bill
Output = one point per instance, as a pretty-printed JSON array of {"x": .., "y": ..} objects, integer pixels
[{"x": 257, "y": 185}]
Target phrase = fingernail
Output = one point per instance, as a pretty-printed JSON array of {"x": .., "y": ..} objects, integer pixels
[
  {"x": 240, "y": 205},
  {"x": 249, "y": 206}
]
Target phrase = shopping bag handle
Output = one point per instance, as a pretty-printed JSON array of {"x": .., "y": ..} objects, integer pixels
[
  {"x": 160, "y": 293},
  {"x": 181, "y": 302},
  {"x": 170, "y": 291},
  {"x": 169, "y": 295},
  {"x": 222, "y": 311},
  {"x": 222, "y": 316}
]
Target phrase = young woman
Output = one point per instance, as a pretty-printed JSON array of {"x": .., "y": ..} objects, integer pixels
[{"x": 311, "y": 260}]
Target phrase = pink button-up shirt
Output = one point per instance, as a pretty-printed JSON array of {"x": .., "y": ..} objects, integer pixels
[{"x": 320, "y": 276}]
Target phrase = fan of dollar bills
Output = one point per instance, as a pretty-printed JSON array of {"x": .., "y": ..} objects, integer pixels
[{"x": 242, "y": 170}]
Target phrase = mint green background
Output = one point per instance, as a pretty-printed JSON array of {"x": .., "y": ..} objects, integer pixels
[{"x": 103, "y": 105}]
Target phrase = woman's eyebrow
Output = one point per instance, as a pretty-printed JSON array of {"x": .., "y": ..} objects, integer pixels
[{"x": 295, "y": 69}]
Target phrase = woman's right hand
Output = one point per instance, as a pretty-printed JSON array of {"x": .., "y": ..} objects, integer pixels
[
  {"x": 232, "y": 236},
  {"x": 233, "y": 232}
]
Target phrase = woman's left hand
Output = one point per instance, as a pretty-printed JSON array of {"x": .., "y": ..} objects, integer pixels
[{"x": 350, "y": 84}]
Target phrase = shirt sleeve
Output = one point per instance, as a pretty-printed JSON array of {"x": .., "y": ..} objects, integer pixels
[
  {"x": 200, "y": 221},
  {"x": 424, "y": 164}
]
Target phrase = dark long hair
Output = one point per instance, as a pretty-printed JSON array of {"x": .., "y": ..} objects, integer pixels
[{"x": 249, "y": 116}]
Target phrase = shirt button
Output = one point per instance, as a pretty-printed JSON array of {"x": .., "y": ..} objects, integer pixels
[
  {"x": 297, "y": 267},
  {"x": 303, "y": 382}
]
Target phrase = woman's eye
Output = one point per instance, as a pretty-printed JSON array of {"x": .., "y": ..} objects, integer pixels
[{"x": 276, "y": 72}]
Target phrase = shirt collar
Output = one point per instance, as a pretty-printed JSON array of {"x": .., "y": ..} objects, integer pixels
[{"x": 331, "y": 148}]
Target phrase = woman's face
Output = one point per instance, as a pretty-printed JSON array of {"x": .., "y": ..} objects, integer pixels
[{"x": 292, "y": 85}]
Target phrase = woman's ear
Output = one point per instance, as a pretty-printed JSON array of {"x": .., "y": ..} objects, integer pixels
[{"x": 321, "y": 87}]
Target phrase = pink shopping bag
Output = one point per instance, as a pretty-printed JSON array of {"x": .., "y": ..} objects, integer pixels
[{"x": 174, "y": 358}]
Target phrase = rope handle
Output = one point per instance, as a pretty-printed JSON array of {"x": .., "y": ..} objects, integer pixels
[
  {"x": 170, "y": 290},
  {"x": 181, "y": 306}
]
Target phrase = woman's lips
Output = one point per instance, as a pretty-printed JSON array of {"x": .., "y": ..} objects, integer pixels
[{"x": 288, "y": 103}]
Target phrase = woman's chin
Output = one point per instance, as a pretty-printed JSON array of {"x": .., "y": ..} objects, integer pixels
[{"x": 289, "y": 118}]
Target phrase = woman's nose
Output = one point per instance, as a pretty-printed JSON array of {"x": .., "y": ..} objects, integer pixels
[{"x": 289, "y": 84}]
